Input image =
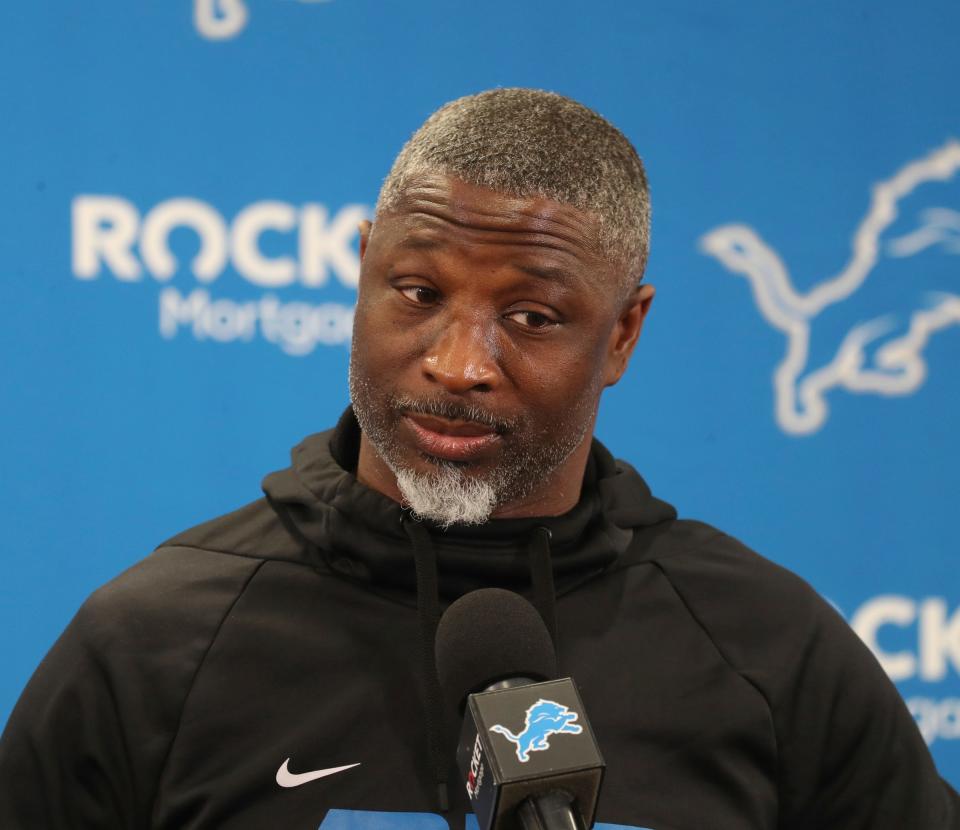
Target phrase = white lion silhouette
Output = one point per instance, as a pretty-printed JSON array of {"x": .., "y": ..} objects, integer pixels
[
  {"x": 897, "y": 366},
  {"x": 220, "y": 19}
]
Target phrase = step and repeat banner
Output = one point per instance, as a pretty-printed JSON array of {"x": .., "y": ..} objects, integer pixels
[{"x": 181, "y": 188}]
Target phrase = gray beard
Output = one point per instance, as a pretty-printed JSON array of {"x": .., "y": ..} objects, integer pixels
[
  {"x": 447, "y": 496},
  {"x": 450, "y": 494}
]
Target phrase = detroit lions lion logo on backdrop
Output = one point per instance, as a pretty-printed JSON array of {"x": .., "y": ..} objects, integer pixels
[
  {"x": 543, "y": 719},
  {"x": 879, "y": 351},
  {"x": 220, "y": 19},
  {"x": 225, "y": 19}
]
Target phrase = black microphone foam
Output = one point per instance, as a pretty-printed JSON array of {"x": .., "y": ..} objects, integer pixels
[
  {"x": 487, "y": 636},
  {"x": 527, "y": 755}
]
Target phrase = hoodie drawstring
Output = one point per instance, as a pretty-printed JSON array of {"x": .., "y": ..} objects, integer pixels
[
  {"x": 428, "y": 609},
  {"x": 541, "y": 578}
]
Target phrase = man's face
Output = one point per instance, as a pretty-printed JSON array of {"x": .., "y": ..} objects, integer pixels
[{"x": 486, "y": 327}]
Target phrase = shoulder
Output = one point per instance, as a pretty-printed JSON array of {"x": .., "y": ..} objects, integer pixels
[
  {"x": 150, "y": 628},
  {"x": 117, "y": 677},
  {"x": 160, "y": 615},
  {"x": 189, "y": 584},
  {"x": 765, "y": 620},
  {"x": 186, "y": 585},
  {"x": 254, "y": 530},
  {"x": 850, "y": 752},
  {"x": 711, "y": 567}
]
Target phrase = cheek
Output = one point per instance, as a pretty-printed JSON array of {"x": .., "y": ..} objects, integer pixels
[
  {"x": 385, "y": 349},
  {"x": 367, "y": 351},
  {"x": 559, "y": 380},
  {"x": 373, "y": 326}
]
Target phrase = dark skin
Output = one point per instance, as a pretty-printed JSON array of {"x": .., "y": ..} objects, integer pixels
[{"x": 474, "y": 297}]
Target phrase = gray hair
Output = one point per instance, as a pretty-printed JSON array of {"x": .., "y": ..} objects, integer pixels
[{"x": 527, "y": 142}]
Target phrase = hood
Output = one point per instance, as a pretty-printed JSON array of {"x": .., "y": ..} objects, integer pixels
[{"x": 359, "y": 532}]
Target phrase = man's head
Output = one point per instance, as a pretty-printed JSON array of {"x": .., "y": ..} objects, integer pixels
[
  {"x": 499, "y": 294},
  {"x": 527, "y": 142}
]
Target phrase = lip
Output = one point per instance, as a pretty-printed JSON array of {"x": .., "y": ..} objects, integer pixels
[{"x": 451, "y": 440}]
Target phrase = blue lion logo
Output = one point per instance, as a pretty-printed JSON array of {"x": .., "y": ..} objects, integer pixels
[{"x": 543, "y": 719}]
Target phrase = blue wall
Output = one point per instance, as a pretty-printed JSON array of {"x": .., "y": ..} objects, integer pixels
[{"x": 797, "y": 380}]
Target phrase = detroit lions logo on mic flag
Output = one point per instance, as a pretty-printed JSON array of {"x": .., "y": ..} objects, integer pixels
[{"x": 543, "y": 719}]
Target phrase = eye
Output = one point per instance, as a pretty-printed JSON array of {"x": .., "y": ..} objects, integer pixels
[
  {"x": 419, "y": 294},
  {"x": 533, "y": 320}
]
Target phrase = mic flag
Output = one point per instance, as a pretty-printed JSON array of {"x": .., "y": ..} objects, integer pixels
[
  {"x": 525, "y": 741},
  {"x": 527, "y": 754}
]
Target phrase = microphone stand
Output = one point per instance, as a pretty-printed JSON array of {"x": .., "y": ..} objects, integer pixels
[{"x": 555, "y": 810}]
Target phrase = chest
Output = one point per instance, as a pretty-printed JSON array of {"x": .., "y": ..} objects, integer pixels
[{"x": 309, "y": 711}]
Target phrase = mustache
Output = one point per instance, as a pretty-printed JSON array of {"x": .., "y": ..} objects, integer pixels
[{"x": 455, "y": 411}]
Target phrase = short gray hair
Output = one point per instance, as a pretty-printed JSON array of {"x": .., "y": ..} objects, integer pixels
[{"x": 528, "y": 142}]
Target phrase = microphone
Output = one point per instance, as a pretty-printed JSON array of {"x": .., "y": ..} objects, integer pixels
[{"x": 527, "y": 755}]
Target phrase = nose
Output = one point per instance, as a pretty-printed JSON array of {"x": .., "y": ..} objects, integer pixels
[{"x": 462, "y": 359}]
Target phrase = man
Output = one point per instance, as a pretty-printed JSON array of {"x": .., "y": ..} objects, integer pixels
[{"x": 274, "y": 667}]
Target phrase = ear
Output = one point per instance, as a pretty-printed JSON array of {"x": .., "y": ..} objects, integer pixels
[
  {"x": 364, "y": 227},
  {"x": 626, "y": 332}
]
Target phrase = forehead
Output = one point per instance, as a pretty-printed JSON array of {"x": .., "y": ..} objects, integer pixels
[{"x": 437, "y": 211}]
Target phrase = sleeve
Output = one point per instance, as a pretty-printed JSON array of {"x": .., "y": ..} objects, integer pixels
[
  {"x": 850, "y": 754},
  {"x": 853, "y": 755},
  {"x": 86, "y": 743}
]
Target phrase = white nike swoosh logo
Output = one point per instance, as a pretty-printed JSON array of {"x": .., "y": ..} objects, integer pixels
[{"x": 285, "y": 778}]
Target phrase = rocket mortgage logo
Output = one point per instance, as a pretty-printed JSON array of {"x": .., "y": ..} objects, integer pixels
[{"x": 318, "y": 250}]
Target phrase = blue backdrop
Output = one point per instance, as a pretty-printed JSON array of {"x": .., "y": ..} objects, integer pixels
[{"x": 181, "y": 187}]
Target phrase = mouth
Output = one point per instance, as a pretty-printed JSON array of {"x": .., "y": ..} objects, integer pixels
[{"x": 451, "y": 439}]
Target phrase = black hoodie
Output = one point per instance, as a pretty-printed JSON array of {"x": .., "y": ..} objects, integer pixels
[{"x": 295, "y": 636}]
